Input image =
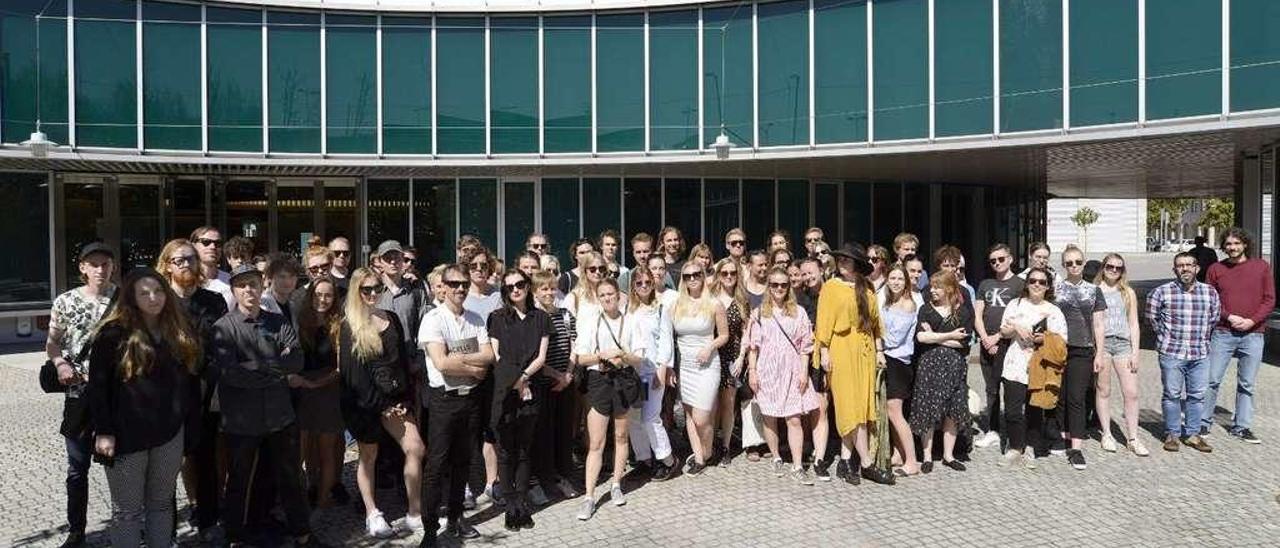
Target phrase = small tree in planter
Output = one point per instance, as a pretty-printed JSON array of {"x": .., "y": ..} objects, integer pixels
[{"x": 1084, "y": 217}]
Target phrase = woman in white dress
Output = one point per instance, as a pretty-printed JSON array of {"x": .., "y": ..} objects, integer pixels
[{"x": 701, "y": 328}]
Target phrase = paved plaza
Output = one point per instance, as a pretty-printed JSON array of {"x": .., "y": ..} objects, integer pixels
[{"x": 1227, "y": 498}]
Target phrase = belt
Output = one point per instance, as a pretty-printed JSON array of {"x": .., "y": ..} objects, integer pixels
[{"x": 459, "y": 392}]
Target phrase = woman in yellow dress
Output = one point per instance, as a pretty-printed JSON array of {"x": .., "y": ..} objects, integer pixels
[{"x": 849, "y": 348}]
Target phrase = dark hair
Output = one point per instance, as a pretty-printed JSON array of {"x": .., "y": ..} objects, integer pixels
[
  {"x": 1001, "y": 246},
  {"x": 752, "y": 254},
  {"x": 1239, "y": 234},
  {"x": 507, "y": 304},
  {"x": 573, "y": 248},
  {"x": 946, "y": 253},
  {"x": 1048, "y": 292},
  {"x": 476, "y": 252},
  {"x": 608, "y": 233},
  {"x": 238, "y": 247},
  {"x": 1036, "y": 246},
  {"x": 1186, "y": 255},
  {"x": 281, "y": 263},
  {"x": 309, "y": 320},
  {"x": 861, "y": 288}
]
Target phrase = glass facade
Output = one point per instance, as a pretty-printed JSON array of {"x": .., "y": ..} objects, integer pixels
[{"x": 527, "y": 84}]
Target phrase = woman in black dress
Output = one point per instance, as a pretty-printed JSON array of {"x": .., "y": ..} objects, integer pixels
[
  {"x": 519, "y": 333},
  {"x": 316, "y": 390},
  {"x": 726, "y": 286},
  {"x": 376, "y": 396},
  {"x": 940, "y": 395}
]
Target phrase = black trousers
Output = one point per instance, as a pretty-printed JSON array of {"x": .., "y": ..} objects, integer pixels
[
  {"x": 515, "y": 432},
  {"x": 1015, "y": 414},
  {"x": 204, "y": 461},
  {"x": 79, "y": 457},
  {"x": 992, "y": 364},
  {"x": 477, "y": 477},
  {"x": 453, "y": 422},
  {"x": 275, "y": 455},
  {"x": 553, "y": 446},
  {"x": 1075, "y": 386}
]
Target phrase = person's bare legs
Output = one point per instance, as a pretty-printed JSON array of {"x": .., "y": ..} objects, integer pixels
[
  {"x": 1102, "y": 394},
  {"x": 821, "y": 430},
  {"x": 405, "y": 431},
  {"x": 364, "y": 475},
  {"x": 490, "y": 464},
  {"x": 621, "y": 447},
  {"x": 597, "y": 429},
  {"x": 727, "y": 414},
  {"x": 795, "y": 440},
  {"x": 1129, "y": 389},
  {"x": 770, "y": 432},
  {"x": 699, "y": 427},
  {"x": 949, "y": 431},
  {"x": 863, "y": 443},
  {"x": 926, "y": 446},
  {"x": 906, "y": 446}
]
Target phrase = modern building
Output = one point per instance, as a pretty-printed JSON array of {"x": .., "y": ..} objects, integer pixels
[{"x": 424, "y": 119}]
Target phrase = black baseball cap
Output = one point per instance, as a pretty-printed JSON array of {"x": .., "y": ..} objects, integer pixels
[{"x": 96, "y": 247}]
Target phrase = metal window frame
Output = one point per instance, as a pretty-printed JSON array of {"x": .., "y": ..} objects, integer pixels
[
  {"x": 1142, "y": 62},
  {"x": 702, "y": 84},
  {"x": 138, "y": 83},
  {"x": 324, "y": 86},
  {"x": 648, "y": 127},
  {"x": 542, "y": 114},
  {"x": 871, "y": 72},
  {"x": 204, "y": 79},
  {"x": 995, "y": 67},
  {"x": 1066, "y": 65},
  {"x": 266, "y": 84},
  {"x": 813, "y": 141},
  {"x": 933, "y": 82},
  {"x": 755, "y": 76},
  {"x": 1226, "y": 59},
  {"x": 488, "y": 84},
  {"x": 71, "y": 73},
  {"x": 377, "y": 64},
  {"x": 595, "y": 124}
]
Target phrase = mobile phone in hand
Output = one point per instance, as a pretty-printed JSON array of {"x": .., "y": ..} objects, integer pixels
[{"x": 104, "y": 460}]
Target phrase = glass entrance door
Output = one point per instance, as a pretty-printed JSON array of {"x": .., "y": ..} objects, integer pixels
[
  {"x": 124, "y": 212},
  {"x": 519, "y": 216}
]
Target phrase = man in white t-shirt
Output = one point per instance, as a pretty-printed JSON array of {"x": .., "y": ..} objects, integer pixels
[
  {"x": 208, "y": 243},
  {"x": 458, "y": 358}
]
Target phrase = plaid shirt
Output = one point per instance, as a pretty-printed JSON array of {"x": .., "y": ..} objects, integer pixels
[{"x": 1183, "y": 320}]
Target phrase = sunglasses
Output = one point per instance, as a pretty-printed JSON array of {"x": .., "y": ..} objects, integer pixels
[
  {"x": 340, "y": 252},
  {"x": 728, "y": 273},
  {"x": 691, "y": 276},
  {"x": 538, "y": 246},
  {"x": 370, "y": 290},
  {"x": 611, "y": 274},
  {"x": 777, "y": 285},
  {"x": 1038, "y": 281},
  {"x": 642, "y": 284},
  {"x": 1076, "y": 262},
  {"x": 480, "y": 267},
  {"x": 736, "y": 243},
  {"x": 518, "y": 286},
  {"x": 208, "y": 242},
  {"x": 553, "y": 271},
  {"x": 595, "y": 269},
  {"x": 998, "y": 260},
  {"x": 1114, "y": 267},
  {"x": 319, "y": 268},
  {"x": 455, "y": 284},
  {"x": 178, "y": 260},
  {"x": 871, "y": 259}
]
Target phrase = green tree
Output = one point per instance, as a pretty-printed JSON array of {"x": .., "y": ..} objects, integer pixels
[
  {"x": 1219, "y": 214},
  {"x": 1084, "y": 217},
  {"x": 1174, "y": 208}
]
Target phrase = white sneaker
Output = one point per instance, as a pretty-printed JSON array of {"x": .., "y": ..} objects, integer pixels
[
  {"x": 377, "y": 526},
  {"x": 987, "y": 440},
  {"x": 1109, "y": 444},
  {"x": 1011, "y": 456},
  {"x": 537, "y": 496},
  {"x": 615, "y": 495},
  {"x": 486, "y": 497},
  {"x": 413, "y": 523},
  {"x": 1138, "y": 448},
  {"x": 586, "y": 508},
  {"x": 1029, "y": 459}
]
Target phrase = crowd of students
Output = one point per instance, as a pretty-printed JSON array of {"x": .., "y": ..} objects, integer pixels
[{"x": 478, "y": 384}]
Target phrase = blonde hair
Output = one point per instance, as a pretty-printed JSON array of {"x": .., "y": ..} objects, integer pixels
[
  {"x": 366, "y": 342},
  {"x": 633, "y": 299},
  {"x": 585, "y": 290},
  {"x": 1122, "y": 283},
  {"x": 739, "y": 294},
  {"x": 788, "y": 302},
  {"x": 702, "y": 249},
  {"x": 687, "y": 305}
]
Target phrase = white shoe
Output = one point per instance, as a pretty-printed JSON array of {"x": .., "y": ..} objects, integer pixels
[
  {"x": 486, "y": 497},
  {"x": 537, "y": 496},
  {"x": 615, "y": 495},
  {"x": 1029, "y": 459},
  {"x": 413, "y": 523},
  {"x": 586, "y": 508},
  {"x": 987, "y": 440},
  {"x": 1109, "y": 444},
  {"x": 377, "y": 526},
  {"x": 1011, "y": 456},
  {"x": 1138, "y": 448}
]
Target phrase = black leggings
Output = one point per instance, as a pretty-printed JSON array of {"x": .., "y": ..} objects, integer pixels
[
  {"x": 514, "y": 432},
  {"x": 553, "y": 446},
  {"x": 1075, "y": 385},
  {"x": 992, "y": 364}
]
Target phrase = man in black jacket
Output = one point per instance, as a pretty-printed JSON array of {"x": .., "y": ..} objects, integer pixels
[{"x": 255, "y": 352}]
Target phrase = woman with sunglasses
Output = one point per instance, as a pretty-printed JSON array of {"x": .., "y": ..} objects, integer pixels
[
  {"x": 898, "y": 311},
  {"x": 1120, "y": 352},
  {"x": 781, "y": 340},
  {"x": 376, "y": 396},
  {"x": 582, "y": 301},
  {"x": 879, "y": 257},
  {"x": 650, "y": 325},
  {"x": 316, "y": 389},
  {"x": 483, "y": 298},
  {"x": 142, "y": 393},
  {"x": 701, "y": 328},
  {"x": 822, "y": 252},
  {"x": 1024, "y": 323},
  {"x": 580, "y": 250},
  {"x": 727, "y": 290},
  {"x": 520, "y": 334},
  {"x": 779, "y": 257},
  {"x": 604, "y": 349},
  {"x": 944, "y": 326},
  {"x": 1085, "y": 309}
]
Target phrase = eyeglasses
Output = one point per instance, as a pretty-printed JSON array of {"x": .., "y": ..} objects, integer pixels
[
  {"x": 455, "y": 284},
  {"x": 812, "y": 240},
  {"x": 538, "y": 246},
  {"x": 728, "y": 273},
  {"x": 595, "y": 269},
  {"x": 208, "y": 242},
  {"x": 736, "y": 243},
  {"x": 1114, "y": 267},
  {"x": 777, "y": 285},
  {"x": 1038, "y": 281},
  {"x": 1185, "y": 266},
  {"x": 519, "y": 286},
  {"x": 371, "y": 290},
  {"x": 319, "y": 268},
  {"x": 479, "y": 267},
  {"x": 178, "y": 260},
  {"x": 871, "y": 259},
  {"x": 1074, "y": 262},
  {"x": 691, "y": 276},
  {"x": 998, "y": 260},
  {"x": 340, "y": 252},
  {"x": 642, "y": 284}
]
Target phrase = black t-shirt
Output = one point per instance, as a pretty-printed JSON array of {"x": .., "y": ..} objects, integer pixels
[
  {"x": 518, "y": 343},
  {"x": 1078, "y": 303},
  {"x": 996, "y": 295},
  {"x": 961, "y": 316},
  {"x": 1205, "y": 257}
]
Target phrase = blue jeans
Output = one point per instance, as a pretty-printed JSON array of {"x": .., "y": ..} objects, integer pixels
[
  {"x": 1247, "y": 349},
  {"x": 1189, "y": 377},
  {"x": 79, "y": 456}
]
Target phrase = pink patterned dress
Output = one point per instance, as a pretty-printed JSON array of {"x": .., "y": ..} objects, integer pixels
[{"x": 781, "y": 362}]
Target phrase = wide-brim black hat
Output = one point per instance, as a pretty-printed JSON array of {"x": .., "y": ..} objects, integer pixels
[{"x": 856, "y": 253}]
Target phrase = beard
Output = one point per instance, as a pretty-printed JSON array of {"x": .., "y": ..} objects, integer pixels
[{"x": 186, "y": 279}]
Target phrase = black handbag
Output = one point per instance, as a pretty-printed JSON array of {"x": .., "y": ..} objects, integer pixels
[{"x": 49, "y": 371}]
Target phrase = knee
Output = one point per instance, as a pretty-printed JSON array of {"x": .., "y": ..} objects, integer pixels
[
  {"x": 1103, "y": 390},
  {"x": 414, "y": 450},
  {"x": 595, "y": 444}
]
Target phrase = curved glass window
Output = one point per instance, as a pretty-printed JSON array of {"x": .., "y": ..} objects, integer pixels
[
  {"x": 727, "y": 74},
  {"x": 351, "y": 83},
  {"x": 1104, "y": 62},
  {"x": 25, "y": 90},
  {"x": 460, "y": 81},
  {"x": 293, "y": 82},
  {"x": 566, "y": 66},
  {"x": 106, "y": 73},
  {"x": 901, "y": 69},
  {"x": 1255, "y": 54},
  {"x": 1184, "y": 58},
  {"x": 1030, "y": 64},
  {"x": 963, "y": 73},
  {"x": 406, "y": 85},
  {"x": 233, "y": 48},
  {"x": 171, "y": 76},
  {"x": 673, "y": 80},
  {"x": 620, "y": 82},
  {"x": 840, "y": 71},
  {"x": 784, "y": 73},
  {"x": 513, "y": 77}
]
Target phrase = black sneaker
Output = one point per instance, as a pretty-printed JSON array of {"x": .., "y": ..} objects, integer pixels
[
  {"x": 851, "y": 476},
  {"x": 822, "y": 469},
  {"x": 459, "y": 528},
  {"x": 695, "y": 468},
  {"x": 74, "y": 540},
  {"x": 726, "y": 457},
  {"x": 1245, "y": 435},
  {"x": 1076, "y": 458},
  {"x": 662, "y": 472},
  {"x": 1204, "y": 431},
  {"x": 842, "y": 469}
]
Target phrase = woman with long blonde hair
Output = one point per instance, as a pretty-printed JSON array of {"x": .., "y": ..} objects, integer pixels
[
  {"x": 1119, "y": 352},
  {"x": 582, "y": 301},
  {"x": 376, "y": 395},
  {"x": 726, "y": 287},
  {"x": 701, "y": 328},
  {"x": 702, "y": 254},
  {"x": 143, "y": 390}
]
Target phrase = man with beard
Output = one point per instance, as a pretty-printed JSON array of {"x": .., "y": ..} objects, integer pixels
[
  {"x": 1183, "y": 314},
  {"x": 208, "y": 243},
  {"x": 178, "y": 263}
]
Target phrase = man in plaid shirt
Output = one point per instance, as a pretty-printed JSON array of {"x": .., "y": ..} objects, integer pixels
[{"x": 1183, "y": 314}]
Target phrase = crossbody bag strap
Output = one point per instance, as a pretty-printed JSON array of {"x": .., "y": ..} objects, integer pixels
[{"x": 787, "y": 335}]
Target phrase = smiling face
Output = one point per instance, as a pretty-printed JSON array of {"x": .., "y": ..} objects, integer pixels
[
  {"x": 736, "y": 245},
  {"x": 671, "y": 243},
  {"x": 777, "y": 241},
  {"x": 1037, "y": 285},
  {"x": 692, "y": 277},
  {"x": 596, "y": 269},
  {"x": 812, "y": 274},
  {"x": 896, "y": 281},
  {"x": 642, "y": 285},
  {"x": 728, "y": 276},
  {"x": 1185, "y": 268},
  {"x": 371, "y": 289},
  {"x": 1234, "y": 248},
  {"x": 915, "y": 269},
  {"x": 545, "y": 295},
  {"x": 1113, "y": 269},
  {"x": 779, "y": 285},
  {"x": 455, "y": 284},
  {"x": 796, "y": 276},
  {"x": 209, "y": 245},
  {"x": 759, "y": 267},
  {"x": 811, "y": 238}
]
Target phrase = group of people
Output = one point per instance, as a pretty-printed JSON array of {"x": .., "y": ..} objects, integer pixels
[{"x": 475, "y": 383}]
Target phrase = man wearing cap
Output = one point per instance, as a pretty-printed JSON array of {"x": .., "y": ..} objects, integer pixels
[
  {"x": 71, "y": 323},
  {"x": 407, "y": 299},
  {"x": 255, "y": 351}
]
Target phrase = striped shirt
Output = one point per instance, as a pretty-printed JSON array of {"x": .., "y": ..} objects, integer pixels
[
  {"x": 1183, "y": 320},
  {"x": 560, "y": 345}
]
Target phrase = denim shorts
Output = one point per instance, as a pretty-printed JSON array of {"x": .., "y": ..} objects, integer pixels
[{"x": 1117, "y": 346}]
